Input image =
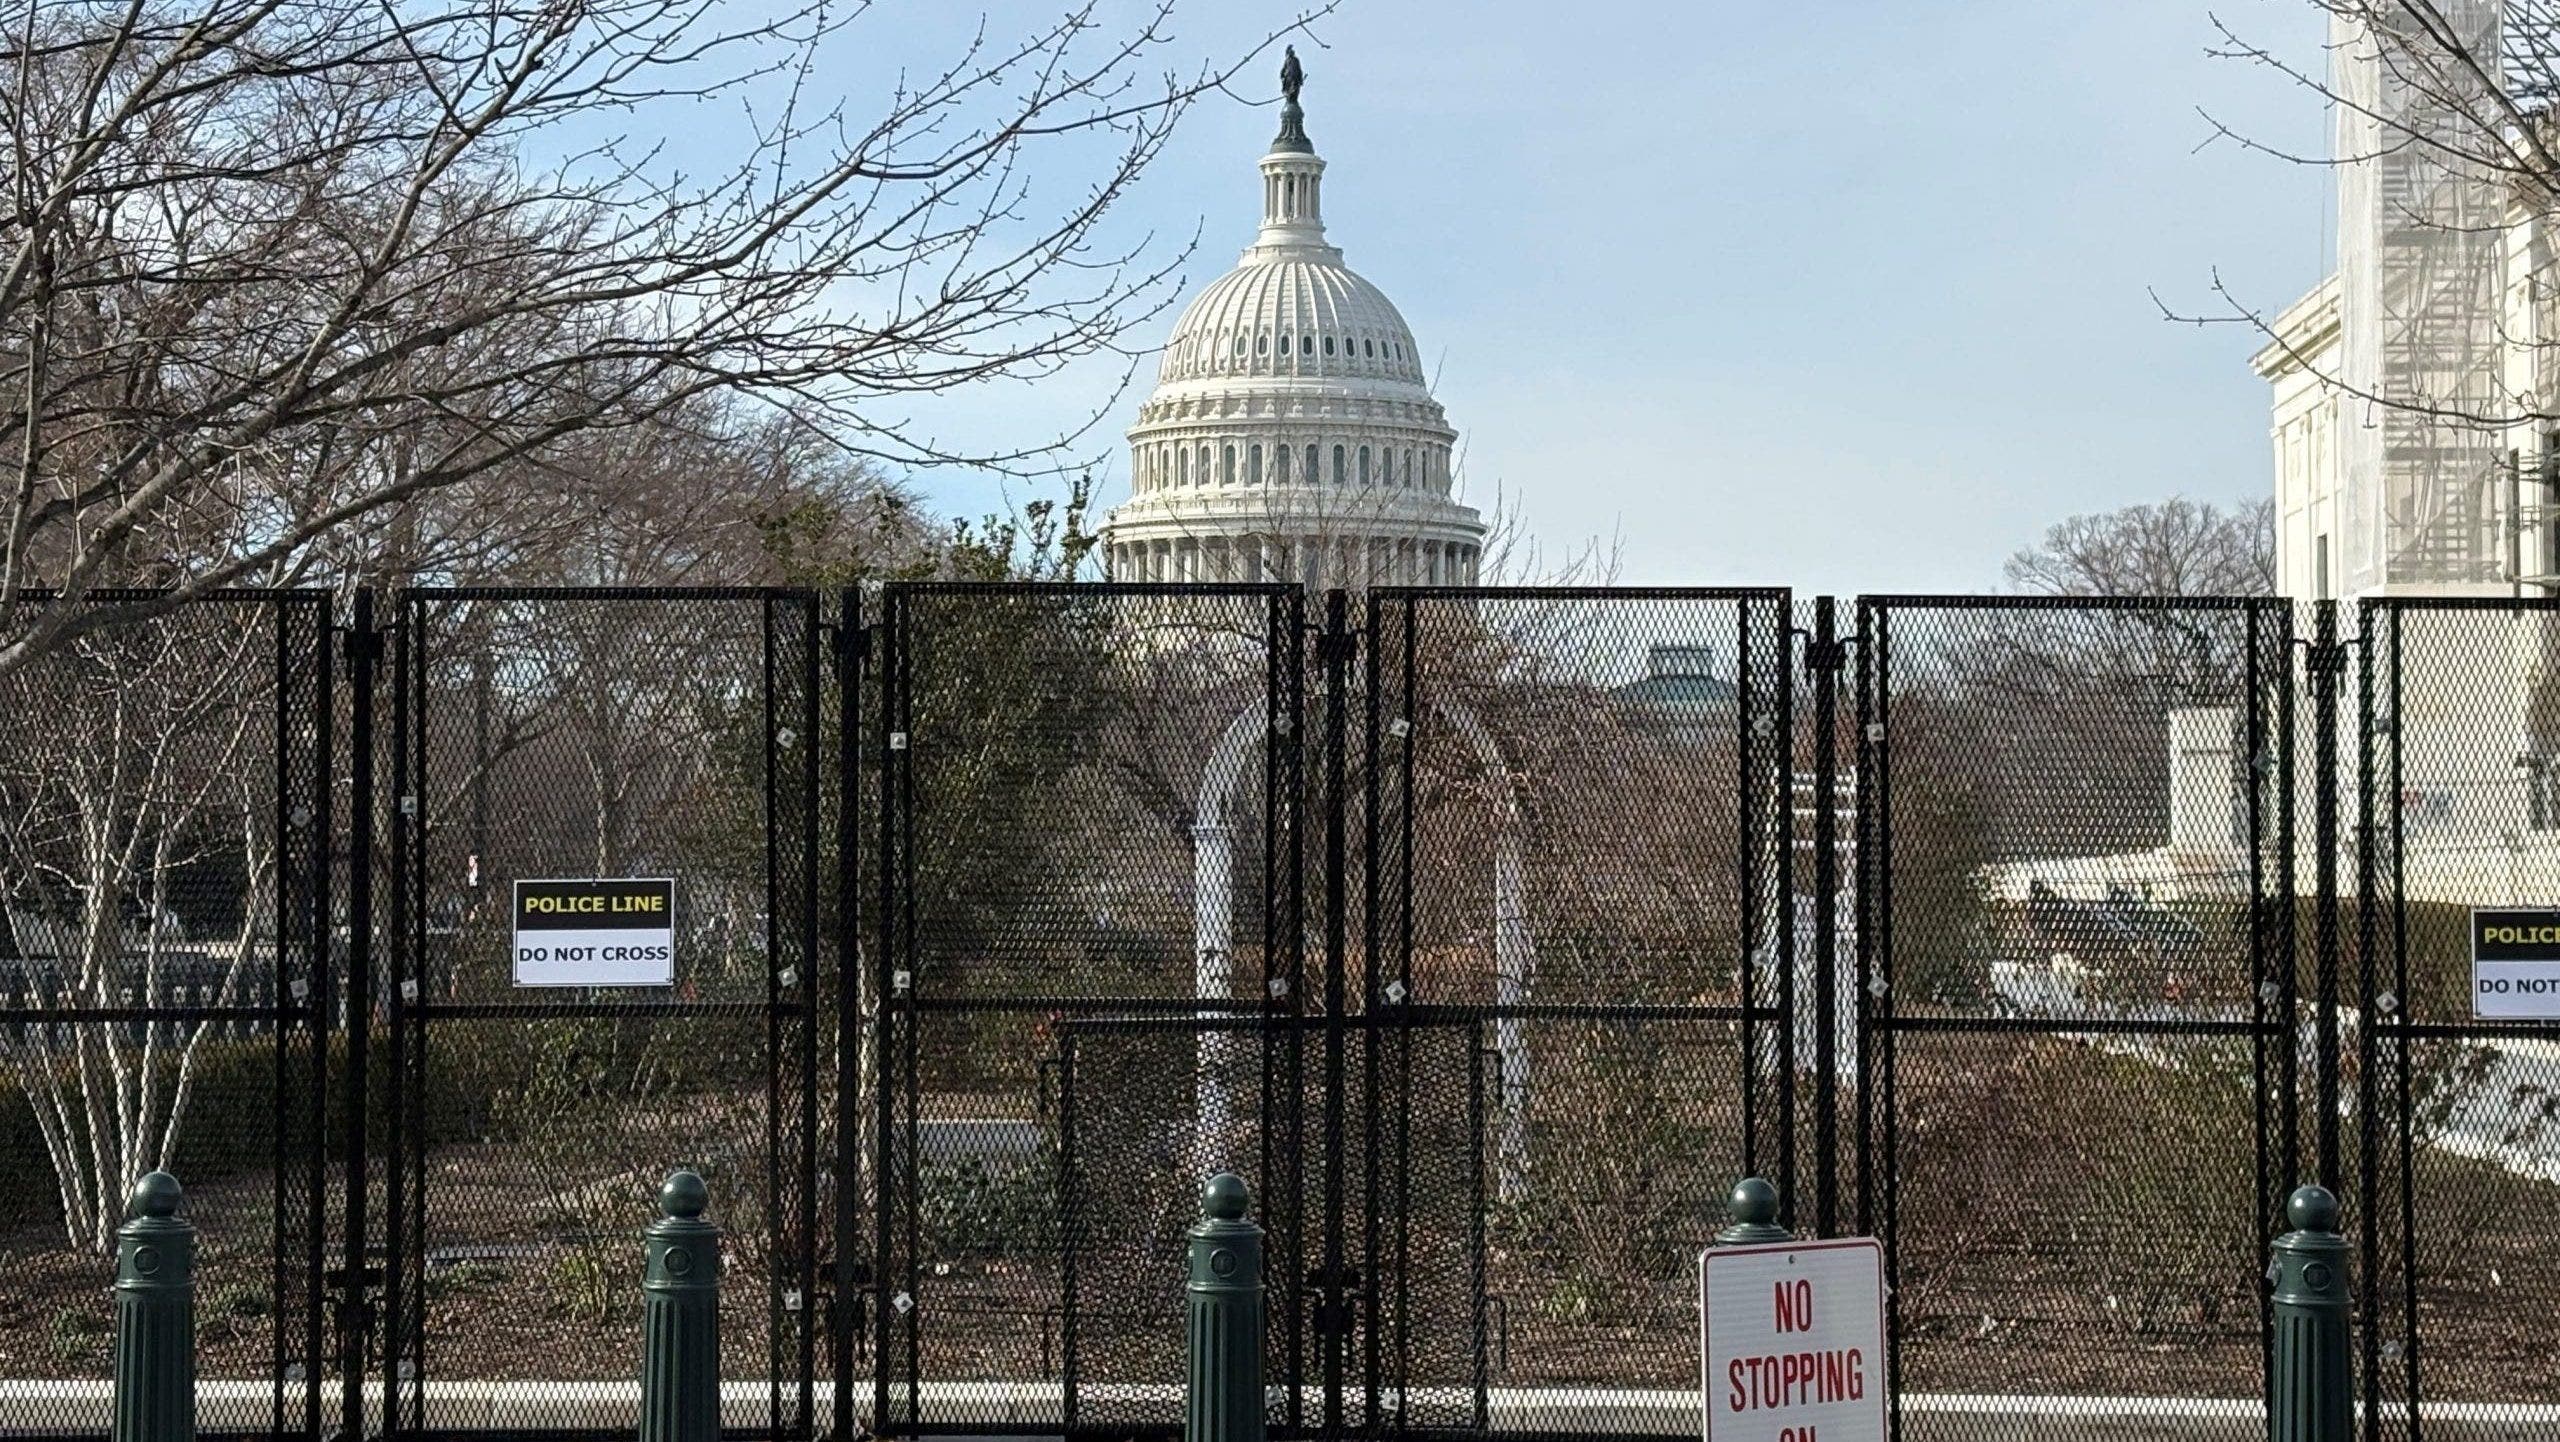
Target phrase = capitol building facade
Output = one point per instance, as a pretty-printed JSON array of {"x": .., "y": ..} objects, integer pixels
[{"x": 1291, "y": 435}]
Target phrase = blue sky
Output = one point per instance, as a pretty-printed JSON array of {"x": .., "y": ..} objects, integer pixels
[{"x": 1849, "y": 297}]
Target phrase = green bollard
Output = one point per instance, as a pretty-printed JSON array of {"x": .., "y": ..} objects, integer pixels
[
  {"x": 1754, "y": 1209},
  {"x": 1225, "y": 1402},
  {"x": 2311, "y": 1391},
  {"x": 680, "y": 1319},
  {"x": 155, "y": 1317}
]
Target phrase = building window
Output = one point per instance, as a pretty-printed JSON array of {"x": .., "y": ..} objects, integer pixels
[
  {"x": 1364, "y": 465},
  {"x": 1227, "y": 466},
  {"x": 1370, "y": 347},
  {"x": 2320, "y": 568},
  {"x": 1183, "y": 469},
  {"x": 1253, "y": 466},
  {"x": 1239, "y": 343},
  {"x": 1408, "y": 468},
  {"x": 1280, "y": 464},
  {"x": 1262, "y": 344},
  {"x": 1337, "y": 466},
  {"x": 1328, "y": 345},
  {"x": 1308, "y": 476},
  {"x": 1306, "y": 345}
]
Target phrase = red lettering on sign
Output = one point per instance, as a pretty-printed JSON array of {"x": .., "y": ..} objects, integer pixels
[{"x": 1795, "y": 1305}]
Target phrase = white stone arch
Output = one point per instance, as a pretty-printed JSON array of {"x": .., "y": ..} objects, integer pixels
[
  {"x": 1213, "y": 935},
  {"x": 1213, "y": 921},
  {"x": 1515, "y": 956}
]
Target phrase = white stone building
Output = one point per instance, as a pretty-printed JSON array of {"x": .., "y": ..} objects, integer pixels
[
  {"x": 1291, "y": 434},
  {"x": 2412, "y": 460}
]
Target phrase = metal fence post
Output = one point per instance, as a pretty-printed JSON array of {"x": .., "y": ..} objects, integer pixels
[
  {"x": 155, "y": 1398},
  {"x": 680, "y": 1319},
  {"x": 2312, "y": 1382},
  {"x": 1754, "y": 1209},
  {"x": 1225, "y": 1401}
]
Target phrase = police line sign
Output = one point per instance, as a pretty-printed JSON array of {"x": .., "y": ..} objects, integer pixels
[
  {"x": 2515, "y": 964},
  {"x": 1792, "y": 1336},
  {"x": 595, "y": 933}
]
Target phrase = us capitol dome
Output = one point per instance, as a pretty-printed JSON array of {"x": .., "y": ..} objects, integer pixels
[{"x": 1291, "y": 435}]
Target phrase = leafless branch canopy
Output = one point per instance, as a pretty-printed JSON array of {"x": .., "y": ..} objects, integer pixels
[{"x": 272, "y": 266}]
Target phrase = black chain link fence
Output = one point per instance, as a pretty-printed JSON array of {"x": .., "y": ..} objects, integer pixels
[
  {"x": 1576, "y": 849},
  {"x": 1088, "y": 810},
  {"x": 555, "y": 736},
  {"x": 2073, "y": 1029},
  {"x": 163, "y": 914},
  {"x": 1488, "y": 934},
  {"x": 2458, "y": 1159}
]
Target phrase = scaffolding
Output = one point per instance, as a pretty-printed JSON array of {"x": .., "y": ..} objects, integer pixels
[{"x": 2421, "y": 249}]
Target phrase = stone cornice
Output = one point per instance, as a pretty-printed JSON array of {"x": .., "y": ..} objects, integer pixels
[{"x": 2301, "y": 330}]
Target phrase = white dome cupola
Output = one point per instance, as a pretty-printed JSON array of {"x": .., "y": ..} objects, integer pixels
[{"x": 1291, "y": 434}]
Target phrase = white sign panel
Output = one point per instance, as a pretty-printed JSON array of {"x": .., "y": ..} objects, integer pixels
[
  {"x": 615, "y": 932},
  {"x": 2515, "y": 964},
  {"x": 1793, "y": 1341}
]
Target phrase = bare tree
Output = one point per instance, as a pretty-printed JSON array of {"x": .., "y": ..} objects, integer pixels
[
  {"x": 274, "y": 265},
  {"x": 142, "y": 787},
  {"x": 2176, "y": 548}
]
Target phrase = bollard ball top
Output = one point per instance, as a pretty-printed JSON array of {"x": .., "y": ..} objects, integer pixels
[
  {"x": 2312, "y": 1209},
  {"x": 1225, "y": 1198},
  {"x": 684, "y": 1196},
  {"x": 156, "y": 1195},
  {"x": 1754, "y": 1202}
]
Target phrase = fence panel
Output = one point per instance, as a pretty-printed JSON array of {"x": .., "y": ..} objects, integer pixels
[
  {"x": 2458, "y": 1160},
  {"x": 1473, "y": 928},
  {"x": 1150, "y": 1108},
  {"x": 1088, "y": 809},
  {"x": 1577, "y": 843},
  {"x": 165, "y": 915},
  {"x": 561, "y": 735},
  {"x": 2077, "y": 1008}
]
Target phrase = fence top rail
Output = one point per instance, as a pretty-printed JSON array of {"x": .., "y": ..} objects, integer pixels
[
  {"x": 1953, "y": 602},
  {"x": 178, "y": 596},
  {"x": 1272, "y": 589},
  {"x": 1583, "y": 593},
  {"x": 608, "y": 593}
]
